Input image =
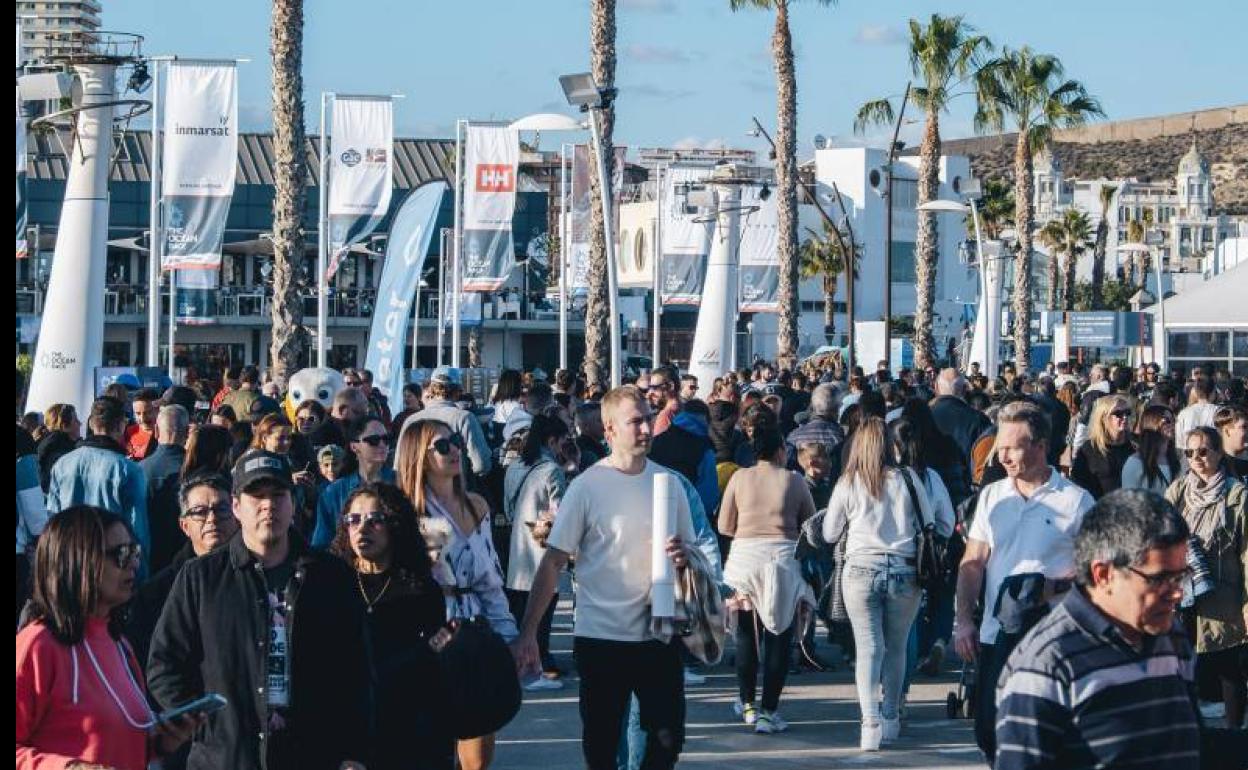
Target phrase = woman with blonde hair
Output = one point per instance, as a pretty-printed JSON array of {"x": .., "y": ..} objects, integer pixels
[
  {"x": 64, "y": 433},
  {"x": 456, "y": 525},
  {"x": 876, "y": 507},
  {"x": 1098, "y": 464}
]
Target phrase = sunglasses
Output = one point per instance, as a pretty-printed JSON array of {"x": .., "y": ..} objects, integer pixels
[
  {"x": 375, "y": 440},
  {"x": 125, "y": 554},
  {"x": 202, "y": 512},
  {"x": 1121, "y": 414},
  {"x": 372, "y": 518},
  {"x": 1201, "y": 452},
  {"x": 307, "y": 418},
  {"x": 443, "y": 445}
]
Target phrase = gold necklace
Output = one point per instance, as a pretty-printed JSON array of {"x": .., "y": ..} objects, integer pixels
[{"x": 368, "y": 605}]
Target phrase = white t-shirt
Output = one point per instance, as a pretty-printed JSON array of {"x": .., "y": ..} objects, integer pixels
[
  {"x": 1026, "y": 535},
  {"x": 605, "y": 521}
]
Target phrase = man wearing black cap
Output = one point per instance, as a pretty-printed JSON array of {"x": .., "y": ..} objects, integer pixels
[{"x": 298, "y": 692}]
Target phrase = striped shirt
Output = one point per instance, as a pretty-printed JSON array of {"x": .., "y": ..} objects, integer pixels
[{"x": 1075, "y": 694}]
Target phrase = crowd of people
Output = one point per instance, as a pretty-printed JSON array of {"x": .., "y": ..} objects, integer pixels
[{"x": 1078, "y": 538}]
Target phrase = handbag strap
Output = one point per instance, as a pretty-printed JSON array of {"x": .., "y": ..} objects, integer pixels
[{"x": 914, "y": 499}]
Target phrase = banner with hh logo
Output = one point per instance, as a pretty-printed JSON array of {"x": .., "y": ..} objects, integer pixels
[
  {"x": 491, "y": 163},
  {"x": 199, "y": 162},
  {"x": 758, "y": 262},
  {"x": 361, "y": 170},
  {"x": 685, "y": 241},
  {"x": 410, "y": 234}
]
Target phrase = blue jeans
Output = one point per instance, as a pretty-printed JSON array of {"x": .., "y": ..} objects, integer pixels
[{"x": 882, "y": 599}]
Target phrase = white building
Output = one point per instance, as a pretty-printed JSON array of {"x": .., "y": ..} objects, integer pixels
[{"x": 54, "y": 27}]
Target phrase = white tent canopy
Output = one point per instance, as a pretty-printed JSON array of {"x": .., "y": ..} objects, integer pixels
[{"x": 1218, "y": 303}]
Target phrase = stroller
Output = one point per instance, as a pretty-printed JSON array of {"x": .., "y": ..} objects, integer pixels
[{"x": 960, "y": 704}]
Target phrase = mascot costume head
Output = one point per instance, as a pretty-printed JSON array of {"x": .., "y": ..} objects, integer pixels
[{"x": 316, "y": 384}]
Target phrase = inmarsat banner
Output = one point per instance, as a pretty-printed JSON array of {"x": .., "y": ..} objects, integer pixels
[
  {"x": 686, "y": 242},
  {"x": 758, "y": 273},
  {"x": 361, "y": 170},
  {"x": 491, "y": 160},
  {"x": 199, "y": 161},
  {"x": 23, "y": 248}
]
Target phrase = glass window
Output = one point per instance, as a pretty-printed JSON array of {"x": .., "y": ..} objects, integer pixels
[
  {"x": 1239, "y": 348},
  {"x": 1198, "y": 344},
  {"x": 903, "y": 262},
  {"x": 117, "y": 354}
]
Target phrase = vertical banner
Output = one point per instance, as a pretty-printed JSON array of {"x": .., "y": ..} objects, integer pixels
[
  {"x": 23, "y": 249},
  {"x": 360, "y": 171},
  {"x": 686, "y": 242},
  {"x": 410, "y": 235},
  {"x": 492, "y": 158},
  {"x": 578, "y": 230},
  {"x": 470, "y": 308},
  {"x": 197, "y": 297},
  {"x": 199, "y": 162},
  {"x": 759, "y": 266}
]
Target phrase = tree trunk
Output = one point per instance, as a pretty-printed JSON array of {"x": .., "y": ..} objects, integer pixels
[
  {"x": 829, "y": 308},
  {"x": 1024, "y": 210},
  {"x": 290, "y": 176},
  {"x": 1051, "y": 297},
  {"x": 926, "y": 248},
  {"x": 474, "y": 347},
  {"x": 1098, "y": 256},
  {"x": 1068, "y": 289},
  {"x": 597, "y": 304},
  {"x": 786, "y": 185}
]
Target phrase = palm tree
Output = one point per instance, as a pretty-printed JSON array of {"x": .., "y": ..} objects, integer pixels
[
  {"x": 1102, "y": 242},
  {"x": 786, "y": 171},
  {"x": 1068, "y": 236},
  {"x": 821, "y": 257},
  {"x": 1135, "y": 234},
  {"x": 1030, "y": 91},
  {"x": 943, "y": 55},
  {"x": 474, "y": 347},
  {"x": 996, "y": 209},
  {"x": 290, "y": 175},
  {"x": 597, "y": 304}
]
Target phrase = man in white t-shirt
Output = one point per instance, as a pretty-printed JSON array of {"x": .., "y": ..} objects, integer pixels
[
  {"x": 1024, "y": 524},
  {"x": 604, "y": 520},
  {"x": 1200, "y": 410}
]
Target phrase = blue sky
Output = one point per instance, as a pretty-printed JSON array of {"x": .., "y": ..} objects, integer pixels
[{"x": 691, "y": 72}]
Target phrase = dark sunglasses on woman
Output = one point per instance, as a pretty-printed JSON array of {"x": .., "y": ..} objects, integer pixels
[
  {"x": 125, "y": 554},
  {"x": 443, "y": 445},
  {"x": 372, "y": 518},
  {"x": 374, "y": 440},
  {"x": 1201, "y": 452}
]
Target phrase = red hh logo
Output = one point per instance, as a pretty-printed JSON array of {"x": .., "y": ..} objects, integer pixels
[{"x": 495, "y": 177}]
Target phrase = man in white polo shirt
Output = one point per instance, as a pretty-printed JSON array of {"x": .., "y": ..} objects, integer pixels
[
  {"x": 1024, "y": 523},
  {"x": 604, "y": 520}
]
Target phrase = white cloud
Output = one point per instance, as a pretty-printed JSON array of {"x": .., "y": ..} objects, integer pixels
[{"x": 878, "y": 34}]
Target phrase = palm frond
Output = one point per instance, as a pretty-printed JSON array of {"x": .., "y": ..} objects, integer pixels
[{"x": 874, "y": 113}]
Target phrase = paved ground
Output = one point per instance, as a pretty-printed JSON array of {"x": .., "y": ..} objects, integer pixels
[{"x": 821, "y": 709}]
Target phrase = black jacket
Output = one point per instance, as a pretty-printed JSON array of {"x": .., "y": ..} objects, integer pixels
[
  {"x": 163, "y": 469},
  {"x": 213, "y": 636},
  {"x": 681, "y": 450},
  {"x": 1100, "y": 472},
  {"x": 959, "y": 421},
  {"x": 149, "y": 600},
  {"x": 51, "y": 448}
]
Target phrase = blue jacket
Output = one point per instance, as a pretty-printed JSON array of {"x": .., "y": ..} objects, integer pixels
[
  {"x": 329, "y": 506},
  {"x": 688, "y": 450},
  {"x": 99, "y": 473}
]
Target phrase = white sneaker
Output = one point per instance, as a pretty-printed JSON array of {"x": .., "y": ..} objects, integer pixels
[
  {"x": 542, "y": 683},
  {"x": 746, "y": 712},
  {"x": 770, "y": 722},
  {"x": 890, "y": 730},
  {"x": 870, "y": 740},
  {"x": 693, "y": 677}
]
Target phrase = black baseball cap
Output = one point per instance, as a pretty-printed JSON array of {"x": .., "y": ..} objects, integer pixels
[{"x": 257, "y": 465}]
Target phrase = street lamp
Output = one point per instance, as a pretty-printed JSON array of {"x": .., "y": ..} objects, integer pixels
[
  {"x": 1140, "y": 248},
  {"x": 584, "y": 93}
]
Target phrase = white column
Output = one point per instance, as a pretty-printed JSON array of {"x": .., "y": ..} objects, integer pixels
[
  {"x": 564, "y": 231},
  {"x": 714, "y": 334},
  {"x": 456, "y": 289},
  {"x": 655, "y": 349},
  {"x": 156, "y": 234},
  {"x": 322, "y": 285}
]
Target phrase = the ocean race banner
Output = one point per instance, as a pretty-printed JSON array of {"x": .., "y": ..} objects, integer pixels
[
  {"x": 361, "y": 171},
  {"x": 758, "y": 273},
  {"x": 199, "y": 161},
  {"x": 410, "y": 234},
  {"x": 581, "y": 218},
  {"x": 23, "y": 249},
  {"x": 197, "y": 296},
  {"x": 491, "y": 162},
  {"x": 686, "y": 242}
]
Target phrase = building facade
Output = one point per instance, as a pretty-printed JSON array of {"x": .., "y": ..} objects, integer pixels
[{"x": 55, "y": 28}]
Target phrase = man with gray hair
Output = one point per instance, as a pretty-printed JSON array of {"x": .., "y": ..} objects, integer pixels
[
  {"x": 1106, "y": 679},
  {"x": 957, "y": 419},
  {"x": 163, "y": 469},
  {"x": 1024, "y": 524},
  {"x": 821, "y": 428}
]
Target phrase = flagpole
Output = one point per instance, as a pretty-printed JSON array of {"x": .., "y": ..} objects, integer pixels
[
  {"x": 322, "y": 242},
  {"x": 155, "y": 245},
  {"x": 563, "y": 256},
  {"x": 173, "y": 315},
  {"x": 441, "y": 294},
  {"x": 456, "y": 289},
  {"x": 658, "y": 258}
]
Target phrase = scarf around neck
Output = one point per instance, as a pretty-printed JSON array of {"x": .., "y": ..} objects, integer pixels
[{"x": 1203, "y": 504}]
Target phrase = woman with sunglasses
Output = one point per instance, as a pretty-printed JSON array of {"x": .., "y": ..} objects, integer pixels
[
  {"x": 457, "y": 523},
  {"x": 370, "y": 445},
  {"x": 1098, "y": 464},
  {"x": 1215, "y": 506},
  {"x": 406, "y": 618},
  {"x": 1155, "y": 464},
  {"x": 81, "y": 701}
]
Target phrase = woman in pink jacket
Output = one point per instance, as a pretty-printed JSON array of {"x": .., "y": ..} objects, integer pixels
[{"x": 81, "y": 703}]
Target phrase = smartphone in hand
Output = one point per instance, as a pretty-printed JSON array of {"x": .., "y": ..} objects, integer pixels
[{"x": 208, "y": 704}]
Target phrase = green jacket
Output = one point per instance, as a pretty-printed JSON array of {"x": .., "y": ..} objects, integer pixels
[{"x": 1220, "y": 613}]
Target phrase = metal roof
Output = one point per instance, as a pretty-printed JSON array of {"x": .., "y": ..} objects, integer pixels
[{"x": 416, "y": 161}]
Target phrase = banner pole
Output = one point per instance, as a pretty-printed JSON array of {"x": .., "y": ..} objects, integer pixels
[
  {"x": 456, "y": 290},
  {"x": 322, "y": 285},
  {"x": 155, "y": 233},
  {"x": 563, "y": 256},
  {"x": 658, "y": 258},
  {"x": 441, "y": 294},
  {"x": 173, "y": 315},
  {"x": 416, "y": 327}
]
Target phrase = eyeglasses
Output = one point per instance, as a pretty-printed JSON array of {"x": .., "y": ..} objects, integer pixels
[
  {"x": 125, "y": 554},
  {"x": 1160, "y": 580},
  {"x": 307, "y": 418},
  {"x": 1201, "y": 452},
  {"x": 374, "y": 440},
  {"x": 372, "y": 518},
  {"x": 1121, "y": 414},
  {"x": 443, "y": 445},
  {"x": 201, "y": 512}
]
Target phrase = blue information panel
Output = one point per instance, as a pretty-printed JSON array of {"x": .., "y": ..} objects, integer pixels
[{"x": 1104, "y": 329}]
